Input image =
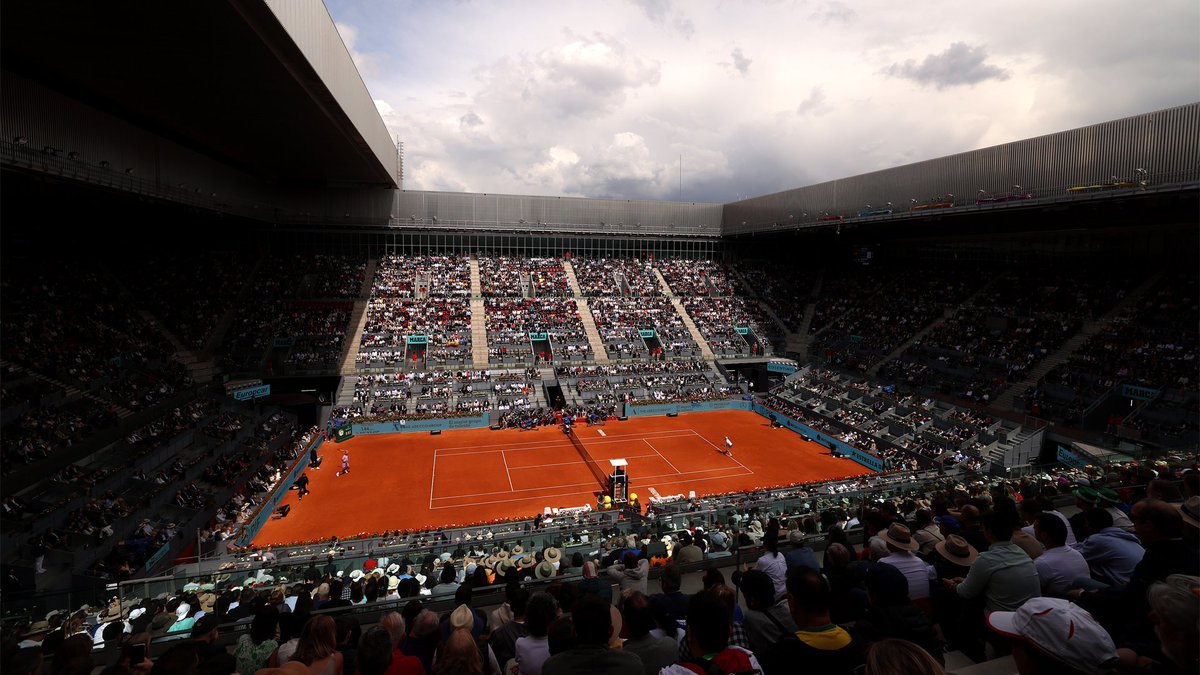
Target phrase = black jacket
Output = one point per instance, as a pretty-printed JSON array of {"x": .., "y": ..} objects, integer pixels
[{"x": 906, "y": 622}]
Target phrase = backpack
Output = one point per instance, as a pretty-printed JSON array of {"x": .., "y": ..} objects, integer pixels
[{"x": 729, "y": 662}]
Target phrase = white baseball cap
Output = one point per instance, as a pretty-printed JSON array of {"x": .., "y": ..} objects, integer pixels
[{"x": 1060, "y": 629}]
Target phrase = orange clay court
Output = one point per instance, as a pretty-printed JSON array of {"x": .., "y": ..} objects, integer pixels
[{"x": 417, "y": 481}]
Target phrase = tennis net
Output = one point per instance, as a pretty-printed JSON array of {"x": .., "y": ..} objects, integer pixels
[{"x": 587, "y": 459}]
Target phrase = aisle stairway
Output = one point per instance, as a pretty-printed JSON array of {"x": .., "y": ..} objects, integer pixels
[
  {"x": 358, "y": 321},
  {"x": 479, "y": 343},
  {"x": 946, "y": 315},
  {"x": 585, "y": 316},
  {"x": 706, "y": 352},
  {"x": 70, "y": 392},
  {"x": 200, "y": 370},
  {"x": 1089, "y": 329},
  {"x": 226, "y": 321},
  {"x": 804, "y": 340},
  {"x": 662, "y": 283}
]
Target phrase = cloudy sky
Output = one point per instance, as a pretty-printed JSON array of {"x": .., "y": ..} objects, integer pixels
[{"x": 611, "y": 98}]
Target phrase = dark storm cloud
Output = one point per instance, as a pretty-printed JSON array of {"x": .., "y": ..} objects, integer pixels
[
  {"x": 469, "y": 120},
  {"x": 960, "y": 64},
  {"x": 740, "y": 61},
  {"x": 813, "y": 103}
]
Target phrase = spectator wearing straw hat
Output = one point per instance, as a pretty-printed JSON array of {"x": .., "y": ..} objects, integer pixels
[
  {"x": 553, "y": 556},
  {"x": 1052, "y": 635},
  {"x": 34, "y": 635},
  {"x": 901, "y": 555},
  {"x": 1190, "y": 511},
  {"x": 544, "y": 570},
  {"x": 466, "y": 620}
]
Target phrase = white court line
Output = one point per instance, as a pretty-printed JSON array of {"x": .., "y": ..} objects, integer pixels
[
  {"x": 551, "y": 487},
  {"x": 432, "y": 479},
  {"x": 565, "y": 494},
  {"x": 578, "y": 461},
  {"x": 661, "y": 456},
  {"x": 714, "y": 445},
  {"x": 610, "y": 436},
  {"x": 506, "y": 471},
  {"x": 551, "y": 446},
  {"x": 601, "y": 432},
  {"x": 505, "y": 492}
]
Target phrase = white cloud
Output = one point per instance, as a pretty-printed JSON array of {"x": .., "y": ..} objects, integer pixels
[{"x": 543, "y": 107}]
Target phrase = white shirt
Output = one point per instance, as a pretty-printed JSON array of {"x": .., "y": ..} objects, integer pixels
[
  {"x": 1028, "y": 529},
  {"x": 775, "y": 566},
  {"x": 1058, "y": 567},
  {"x": 531, "y": 654},
  {"x": 918, "y": 573}
]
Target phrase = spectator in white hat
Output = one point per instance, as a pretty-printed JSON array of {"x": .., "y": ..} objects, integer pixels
[{"x": 1052, "y": 635}]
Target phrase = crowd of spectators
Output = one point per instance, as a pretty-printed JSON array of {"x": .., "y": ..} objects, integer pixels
[
  {"x": 786, "y": 287},
  {"x": 699, "y": 278},
  {"x": 895, "y": 426},
  {"x": 38, "y": 434},
  {"x": 522, "y": 277},
  {"x": 425, "y": 296},
  {"x": 603, "y": 277},
  {"x": 929, "y": 569},
  {"x": 422, "y": 276},
  {"x": 719, "y": 320},
  {"x": 1151, "y": 344},
  {"x": 300, "y": 304},
  {"x": 1008, "y": 328},
  {"x": 188, "y": 293},
  {"x": 868, "y": 327},
  {"x": 74, "y": 327},
  {"x": 619, "y": 320},
  {"x": 510, "y": 321}
]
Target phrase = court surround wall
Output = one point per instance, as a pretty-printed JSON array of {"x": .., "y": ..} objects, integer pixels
[{"x": 860, "y": 457}]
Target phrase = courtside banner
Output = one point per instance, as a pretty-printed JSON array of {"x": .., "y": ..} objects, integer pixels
[
  {"x": 421, "y": 426},
  {"x": 657, "y": 409},
  {"x": 343, "y": 433},
  {"x": 858, "y": 456}
]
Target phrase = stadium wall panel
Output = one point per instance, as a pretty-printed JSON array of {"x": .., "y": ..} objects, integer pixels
[
  {"x": 500, "y": 212},
  {"x": 95, "y": 147},
  {"x": 1164, "y": 143}
]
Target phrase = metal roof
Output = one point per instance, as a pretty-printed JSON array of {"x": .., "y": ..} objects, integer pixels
[{"x": 223, "y": 77}]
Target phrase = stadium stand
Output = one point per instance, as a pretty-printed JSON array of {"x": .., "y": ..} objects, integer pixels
[{"x": 1006, "y": 369}]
